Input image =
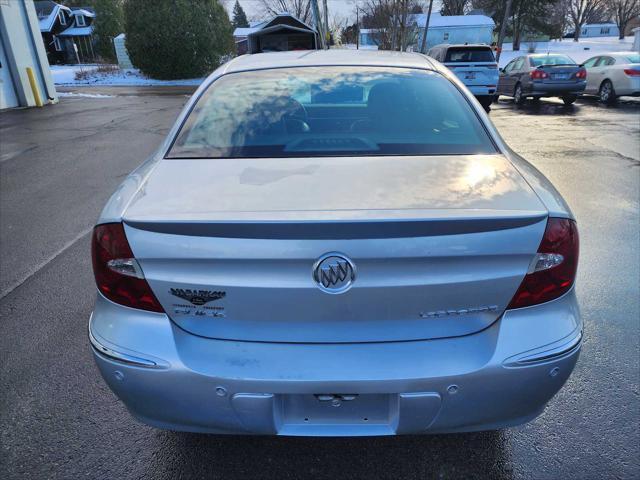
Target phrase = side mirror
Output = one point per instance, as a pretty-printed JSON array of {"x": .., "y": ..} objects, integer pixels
[{"x": 501, "y": 70}]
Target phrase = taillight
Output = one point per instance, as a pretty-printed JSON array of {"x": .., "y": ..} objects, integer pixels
[
  {"x": 118, "y": 274},
  {"x": 632, "y": 72},
  {"x": 538, "y": 74},
  {"x": 582, "y": 73},
  {"x": 553, "y": 269}
]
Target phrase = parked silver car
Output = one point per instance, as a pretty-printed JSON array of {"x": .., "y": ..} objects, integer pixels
[
  {"x": 335, "y": 243},
  {"x": 613, "y": 75}
]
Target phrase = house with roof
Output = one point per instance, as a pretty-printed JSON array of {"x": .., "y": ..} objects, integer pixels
[
  {"x": 591, "y": 30},
  {"x": 64, "y": 30},
  {"x": 476, "y": 28},
  {"x": 455, "y": 29},
  {"x": 282, "y": 33}
]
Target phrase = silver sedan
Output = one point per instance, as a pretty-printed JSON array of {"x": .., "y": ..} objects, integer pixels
[
  {"x": 335, "y": 243},
  {"x": 613, "y": 75}
]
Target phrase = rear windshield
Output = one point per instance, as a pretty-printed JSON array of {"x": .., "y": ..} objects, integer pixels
[
  {"x": 463, "y": 54},
  {"x": 331, "y": 111},
  {"x": 551, "y": 60}
]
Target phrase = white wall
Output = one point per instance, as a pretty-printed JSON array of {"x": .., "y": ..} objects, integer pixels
[{"x": 23, "y": 47}]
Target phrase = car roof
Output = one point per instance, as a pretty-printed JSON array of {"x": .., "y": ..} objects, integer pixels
[
  {"x": 462, "y": 45},
  {"x": 342, "y": 57},
  {"x": 550, "y": 54},
  {"x": 618, "y": 54}
]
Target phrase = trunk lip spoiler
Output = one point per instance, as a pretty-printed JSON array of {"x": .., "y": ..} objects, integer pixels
[{"x": 338, "y": 229}]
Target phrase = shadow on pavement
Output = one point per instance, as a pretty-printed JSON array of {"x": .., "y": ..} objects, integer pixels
[{"x": 472, "y": 455}]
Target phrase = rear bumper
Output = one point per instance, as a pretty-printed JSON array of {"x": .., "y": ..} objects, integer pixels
[
  {"x": 556, "y": 89},
  {"x": 482, "y": 90},
  {"x": 628, "y": 87},
  {"x": 499, "y": 377}
]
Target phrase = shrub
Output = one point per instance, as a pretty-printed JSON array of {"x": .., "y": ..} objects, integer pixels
[{"x": 169, "y": 39}]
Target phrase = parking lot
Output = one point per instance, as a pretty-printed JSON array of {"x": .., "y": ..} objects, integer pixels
[{"x": 58, "y": 419}]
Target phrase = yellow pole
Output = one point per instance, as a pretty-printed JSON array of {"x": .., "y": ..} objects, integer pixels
[{"x": 34, "y": 86}]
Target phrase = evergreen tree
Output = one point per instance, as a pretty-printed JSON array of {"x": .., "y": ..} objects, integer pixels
[
  {"x": 109, "y": 22},
  {"x": 169, "y": 39},
  {"x": 239, "y": 17}
]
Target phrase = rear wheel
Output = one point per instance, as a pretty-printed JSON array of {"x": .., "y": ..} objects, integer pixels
[
  {"x": 607, "y": 93},
  {"x": 569, "y": 99},
  {"x": 518, "y": 97},
  {"x": 486, "y": 102}
]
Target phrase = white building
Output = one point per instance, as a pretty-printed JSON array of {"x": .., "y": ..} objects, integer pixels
[
  {"x": 22, "y": 50},
  {"x": 442, "y": 29},
  {"x": 591, "y": 30},
  {"x": 455, "y": 29}
]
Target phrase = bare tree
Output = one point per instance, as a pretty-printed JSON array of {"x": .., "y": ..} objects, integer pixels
[
  {"x": 455, "y": 7},
  {"x": 558, "y": 19},
  {"x": 392, "y": 21},
  {"x": 622, "y": 11},
  {"x": 583, "y": 11},
  {"x": 337, "y": 24},
  {"x": 503, "y": 28},
  {"x": 299, "y": 8}
]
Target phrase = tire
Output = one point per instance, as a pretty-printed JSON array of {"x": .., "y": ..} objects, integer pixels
[
  {"x": 569, "y": 99},
  {"x": 518, "y": 96},
  {"x": 486, "y": 102},
  {"x": 607, "y": 93}
]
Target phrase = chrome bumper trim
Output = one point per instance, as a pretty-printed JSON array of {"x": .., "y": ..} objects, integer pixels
[
  {"x": 542, "y": 356},
  {"x": 119, "y": 356}
]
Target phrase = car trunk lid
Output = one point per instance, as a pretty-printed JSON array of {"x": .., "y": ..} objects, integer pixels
[
  {"x": 438, "y": 245},
  {"x": 560, "y": 73}
]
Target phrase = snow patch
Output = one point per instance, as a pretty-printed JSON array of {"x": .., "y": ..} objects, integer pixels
[
  {"x": 66, "y": 75},
  {"x": 580, "y": 51},
  {"x": 86, "y": 95}
]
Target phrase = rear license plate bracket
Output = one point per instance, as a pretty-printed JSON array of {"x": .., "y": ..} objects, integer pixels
[{"x": 340, "y": 409}]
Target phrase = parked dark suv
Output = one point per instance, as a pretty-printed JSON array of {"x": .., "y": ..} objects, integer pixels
[{"x": 542, "y": 75}]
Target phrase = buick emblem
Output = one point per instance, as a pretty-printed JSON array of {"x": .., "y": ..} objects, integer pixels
[{"x": 334, "y": 273}]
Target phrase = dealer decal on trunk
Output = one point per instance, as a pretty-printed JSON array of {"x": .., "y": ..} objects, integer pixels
[{"x": 198, "y": 300}]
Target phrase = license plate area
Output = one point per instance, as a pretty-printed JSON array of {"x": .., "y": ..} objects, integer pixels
[
  {"x": 560, "y": 76},
  {"x": 336, "y": 409}
]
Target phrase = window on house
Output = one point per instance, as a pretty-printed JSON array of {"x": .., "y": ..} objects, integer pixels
[
  {"x": 62, "y": 18},
  {"x": 57, "y": 44},
  {"x": 604, "y": 31},
  {"x": 584, "y": 31},
  {"x": 446, "y": 36},
  {"x": 80, "y": 21}
]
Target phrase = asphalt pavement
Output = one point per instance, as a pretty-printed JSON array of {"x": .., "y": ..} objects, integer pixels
[{"x": 58, "y": 166}]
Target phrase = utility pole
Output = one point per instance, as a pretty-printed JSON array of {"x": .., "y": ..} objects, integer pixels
[
  {"x": 318, "y": 21},
  {"x": 326, "y": 23},
  {"x": 423, "y": 46},
  {"x": 357, "y": 27},
  {"x": 503, "y": 30}
]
